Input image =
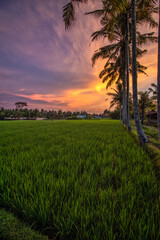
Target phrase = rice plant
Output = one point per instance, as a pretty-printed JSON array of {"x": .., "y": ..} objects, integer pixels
[{"x": 83, "y": 179}]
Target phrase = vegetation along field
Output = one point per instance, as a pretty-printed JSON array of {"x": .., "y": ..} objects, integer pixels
[{"x": 84, "y": 179}]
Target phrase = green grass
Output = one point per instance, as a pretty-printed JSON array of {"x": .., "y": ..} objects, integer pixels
[
  {"x": 79, "y": 180},
  {"x": 152, "y": 147},
  {"x": 152, "y": 133},
  {"x": 13, "y": 229}
]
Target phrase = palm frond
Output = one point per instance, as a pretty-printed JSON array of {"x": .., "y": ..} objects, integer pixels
[
  {"x": 146, "y": 16},
  {"x": 97, "y": 13},
  {"x": 142, "y": 71},
  {"x": 112, "y": 105},
  {"x": 146, "y": 38},
  {"x": 154, "y": 85},
  {"x": 112, "y": 94},
  {"x": 153, "y": 91},
  {"x": 140, "y": 52},
  {"x": 121, "y": 5},
  {"x": 69, "y": 12},
  {"x": 117, "y": 95},
  {"x": 99, "y": 34},
  {"x": 105, "y": 52}
]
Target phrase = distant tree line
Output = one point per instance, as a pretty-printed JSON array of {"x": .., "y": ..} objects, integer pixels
[{"x": 19, "y": 113}]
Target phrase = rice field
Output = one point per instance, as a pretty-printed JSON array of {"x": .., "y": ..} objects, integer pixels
[{"x": 83, "y": 179}]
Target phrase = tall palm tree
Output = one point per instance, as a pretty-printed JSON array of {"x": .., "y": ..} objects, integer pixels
[
  {"x": 142, "y": 137},
  {"x": 144, "y": 14},
  {"x": 127, "y": 69},
  {"x": 158, "y": 78},
  {"x": 117, "y": 97}
]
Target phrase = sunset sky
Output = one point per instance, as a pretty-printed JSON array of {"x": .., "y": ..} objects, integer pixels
[{"x": 50, "y": 68}]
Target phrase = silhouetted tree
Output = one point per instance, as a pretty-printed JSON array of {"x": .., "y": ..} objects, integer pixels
[{"x": 20, "y": 105}]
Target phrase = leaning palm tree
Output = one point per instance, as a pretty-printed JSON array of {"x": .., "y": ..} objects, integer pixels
[{"x": 117, "y": 97}]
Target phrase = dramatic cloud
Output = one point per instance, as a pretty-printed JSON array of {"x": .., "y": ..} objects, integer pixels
[{"x": 49, "y": 67}]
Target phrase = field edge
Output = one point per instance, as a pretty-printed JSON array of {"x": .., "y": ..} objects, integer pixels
[{"x": 13, "y": 228}]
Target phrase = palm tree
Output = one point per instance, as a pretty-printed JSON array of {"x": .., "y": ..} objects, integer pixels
[
  {"x": 146, "y": 17},
  {"x": 127, "y": 69},
  {"x": 145, "y": 102},
  {"x": 142, "y": 137},
  {"x": 158, "y": 78},
  {"x": 117, "y": 97}
]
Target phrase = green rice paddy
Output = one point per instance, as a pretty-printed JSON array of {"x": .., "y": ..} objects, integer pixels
[{"x": 83, "y": 179}]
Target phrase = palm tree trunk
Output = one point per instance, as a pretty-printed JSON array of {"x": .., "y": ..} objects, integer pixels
[
  {"x": 142, "y": 138},
  {"x": 124, "y": 89},
  {"x": 127, "y": 56},
  {"x": 158, "y": 78},
  {"x": 142, "y": 114},
  {"x": 120, "y": 114}
]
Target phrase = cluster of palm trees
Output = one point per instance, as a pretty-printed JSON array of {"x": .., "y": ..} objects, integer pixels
[
  {"x": 146, "y": 100},
  {"x": 119, "y": 21}
]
